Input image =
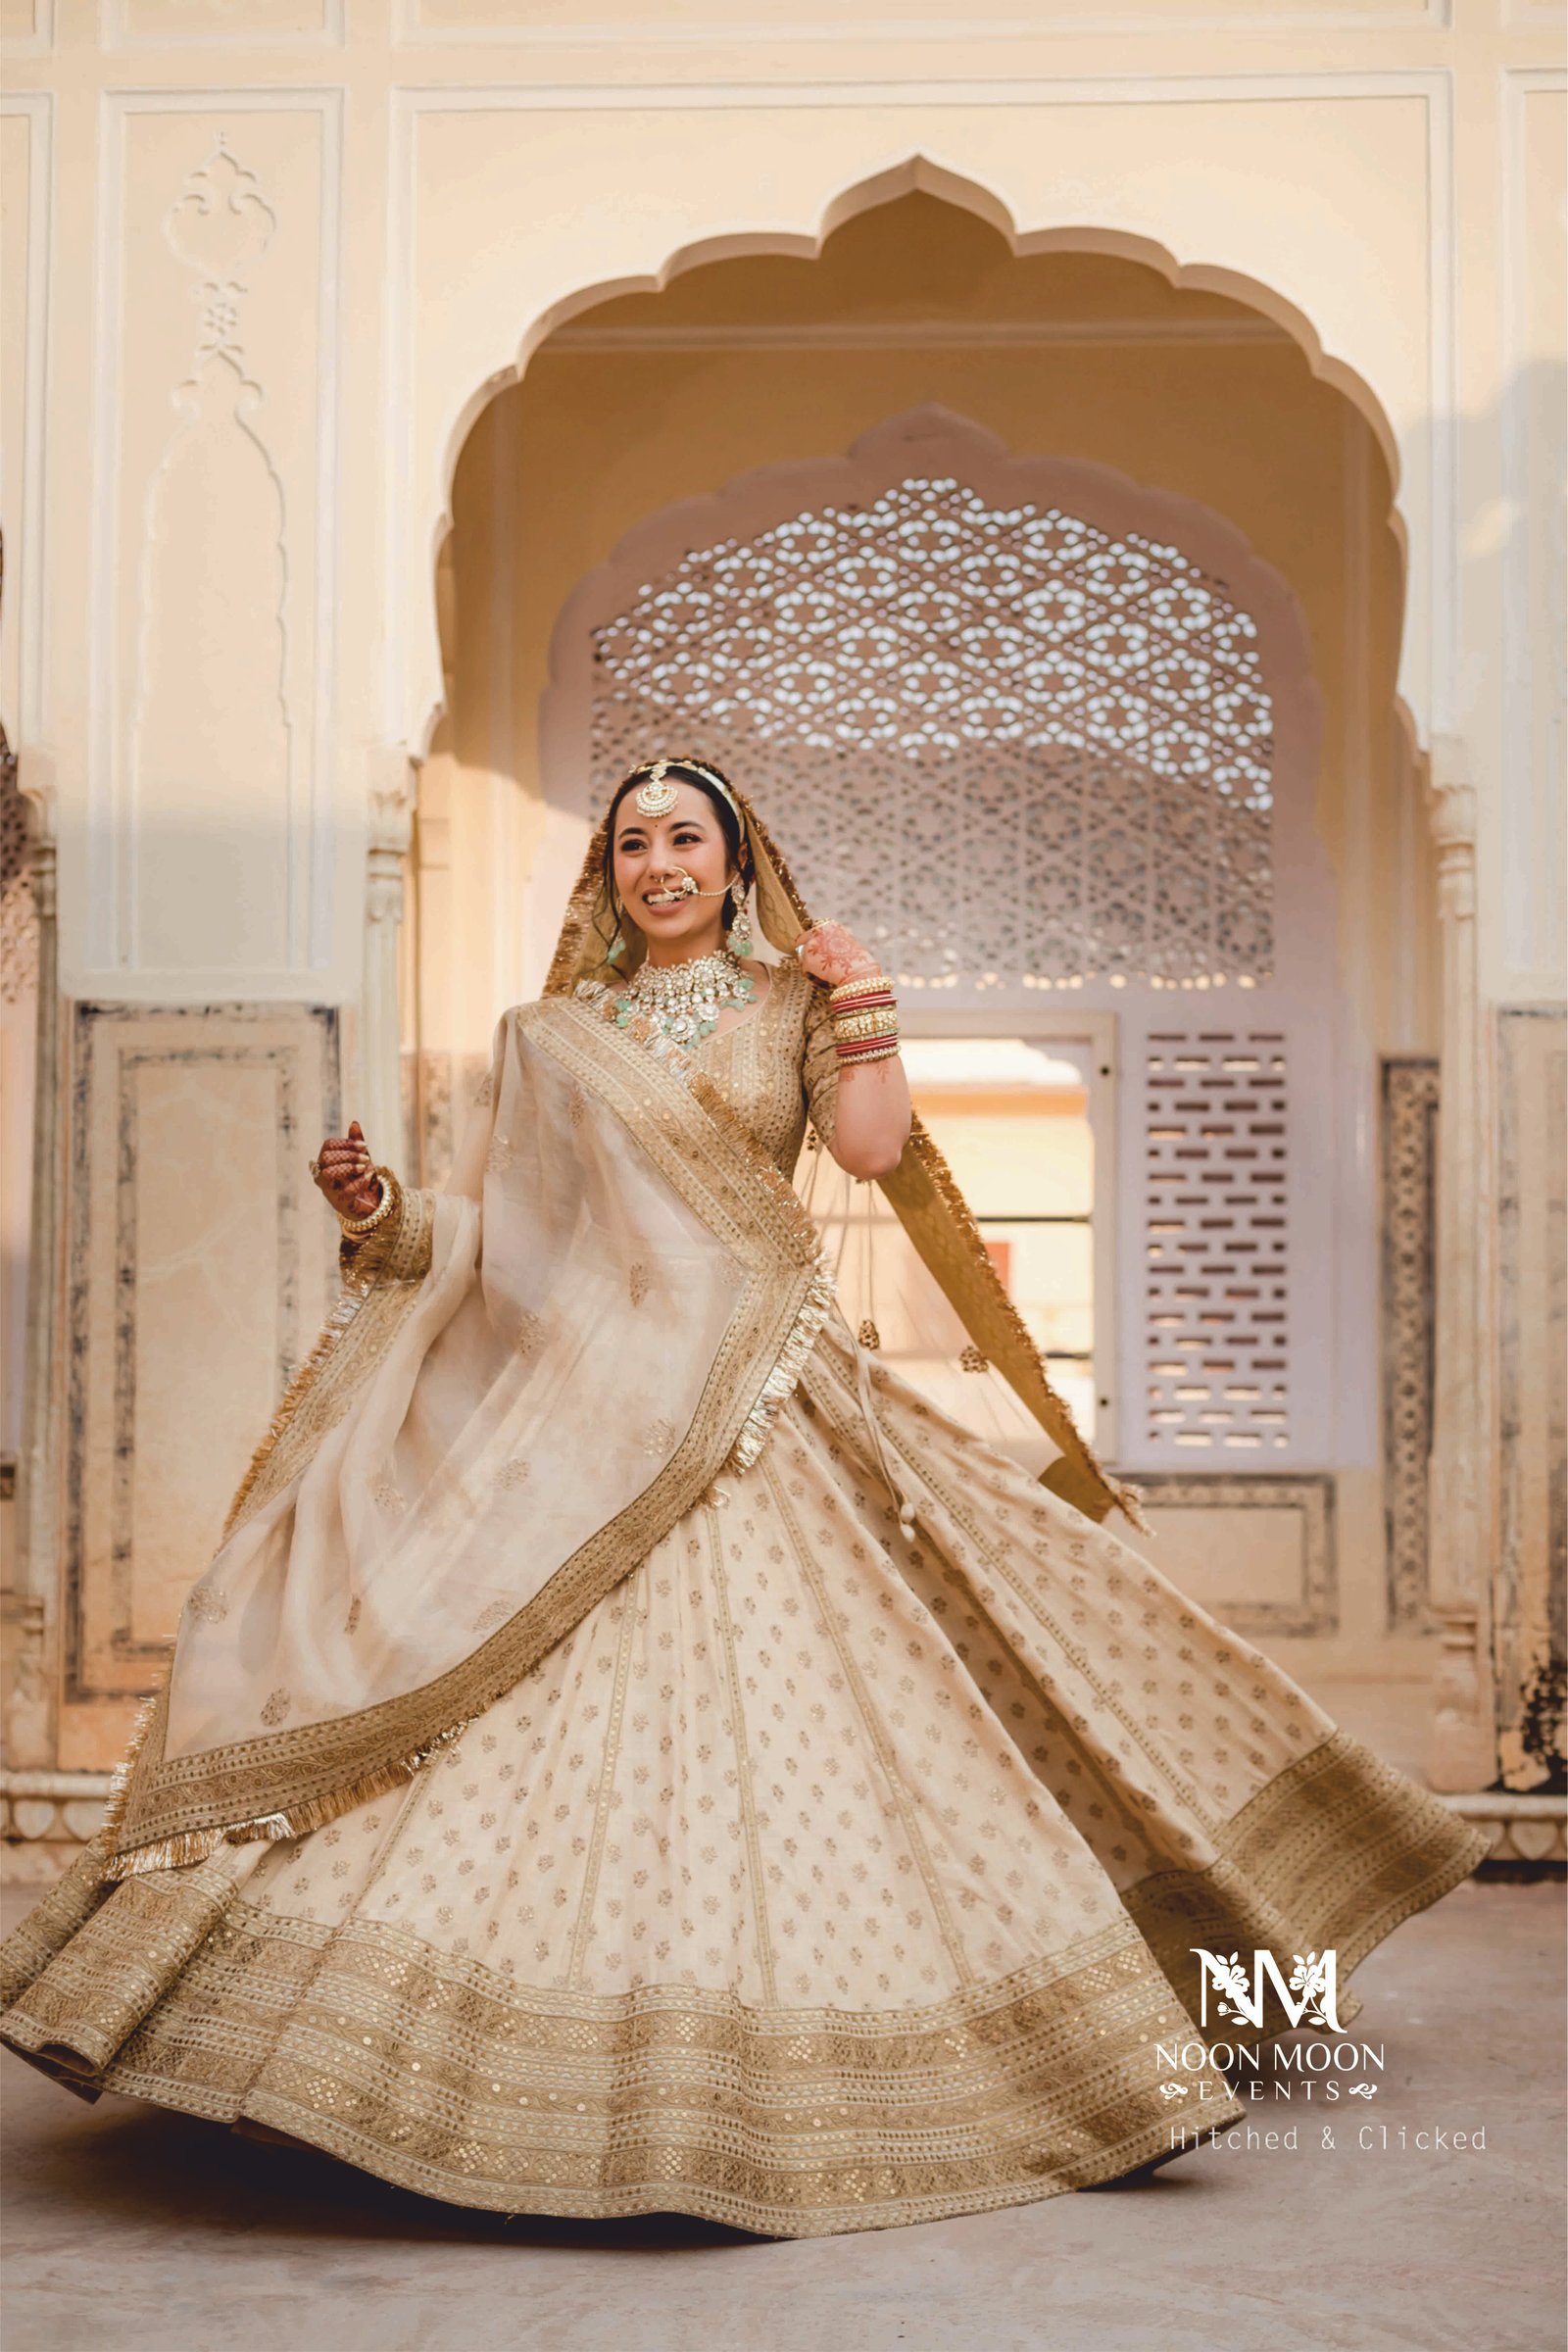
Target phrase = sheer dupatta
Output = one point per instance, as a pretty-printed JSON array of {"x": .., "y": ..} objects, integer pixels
[
  {"x": 616, "y": 1292},
  {"x": 921, "y": 1191}
]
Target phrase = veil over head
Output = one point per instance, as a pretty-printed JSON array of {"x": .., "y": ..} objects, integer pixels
[{"x": 921, "y": 1191}]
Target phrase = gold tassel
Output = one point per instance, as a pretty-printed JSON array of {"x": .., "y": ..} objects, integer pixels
[{"x": 186, "y": 1846}]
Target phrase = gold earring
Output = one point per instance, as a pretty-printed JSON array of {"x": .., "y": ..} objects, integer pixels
[{"x": 740, "y": 930}]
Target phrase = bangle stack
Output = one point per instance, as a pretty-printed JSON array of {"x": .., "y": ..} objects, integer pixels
[
  {"x": 865, "y": 1014},
  {"x": 358, "y": 1227}
]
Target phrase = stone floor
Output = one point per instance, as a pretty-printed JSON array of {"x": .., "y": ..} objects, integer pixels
[{"x": 130, "y": 2227}]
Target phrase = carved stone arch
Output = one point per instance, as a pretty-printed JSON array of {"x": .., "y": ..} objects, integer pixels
[{"x": 429, "y": 525}]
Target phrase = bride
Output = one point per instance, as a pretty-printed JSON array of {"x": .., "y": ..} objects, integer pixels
[{"x": 631, "y": 1752}]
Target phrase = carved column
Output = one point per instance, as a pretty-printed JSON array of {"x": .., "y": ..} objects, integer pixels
[
  {"x": 1463, "y": 1752},
  {"x": 393, "y": 783}
]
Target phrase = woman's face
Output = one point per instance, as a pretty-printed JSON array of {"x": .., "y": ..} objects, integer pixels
[{"x": 651, "y": 856}]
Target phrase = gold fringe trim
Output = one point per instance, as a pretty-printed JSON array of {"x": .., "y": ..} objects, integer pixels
[
  {"x": 781, "y": 1381},
  {"x": 1055, "y": 1417},
  {"x": 186, "y": 1846},
  {"x": 120, "y": 1778}
]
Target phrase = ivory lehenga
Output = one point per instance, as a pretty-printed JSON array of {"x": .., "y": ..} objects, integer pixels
[{"x": 579, "y": 1789}]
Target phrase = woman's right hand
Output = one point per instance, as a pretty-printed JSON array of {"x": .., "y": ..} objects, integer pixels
[{"x": 345, "y": 1174}]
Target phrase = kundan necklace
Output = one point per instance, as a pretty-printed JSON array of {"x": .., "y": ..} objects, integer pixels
[{"x": 685, "y": 999}]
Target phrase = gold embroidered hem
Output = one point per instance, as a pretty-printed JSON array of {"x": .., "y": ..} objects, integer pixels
[
  {"x": 821, "y": 1879},
  {"x": 433, "y": 2072}
]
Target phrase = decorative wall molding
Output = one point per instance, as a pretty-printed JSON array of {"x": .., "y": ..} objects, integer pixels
[
  {"x": 38, "y": 40},
  {"x": 1529, "y": 1833},
  {"x": 1535, "y": 891},
  {"x": 120, "y": 30},
  {"x": 26, "y": 546},
  {"x": 1315, "y": 1607},
  {"x": 1409, "y": 1108},
  {"x": 1464, "y": 1728},
  {"x": 238, "y": 1090},
  {"x": 1531, "y": 1562},
  {"x": 219, "y": 218},
  {"x": 411, "y": 29},
  {"x": 46, "y": 1818},
  {"x": 921, "y": 334}
]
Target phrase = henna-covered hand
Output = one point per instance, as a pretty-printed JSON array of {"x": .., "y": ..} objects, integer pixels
[
  {"x": 831, "y": 953},
  {"x": 344, "y": 1171}
]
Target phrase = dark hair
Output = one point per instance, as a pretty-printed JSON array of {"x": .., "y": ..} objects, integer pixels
[{"x": 729, "y": 824}]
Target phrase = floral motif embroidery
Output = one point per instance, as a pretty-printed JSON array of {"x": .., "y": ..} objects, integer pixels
[
  {"x": 277, "y": 1708},
  {"x": 389, "y": 1496},
  {"x": 639, "y": 1282},
  {"x": 351, "y": 1622},
  {"x": 531, "y": 1329},
  {"x": 661, "y": 1438},
  {"x": 207, "y": 1607},
  {"x": 514, "y": 1473},
  {"x": 496, "y": 1612},
  {"x": 500, "y": 1156}
]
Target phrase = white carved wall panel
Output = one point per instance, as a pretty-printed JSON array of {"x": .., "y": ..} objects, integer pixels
[
  {"x": 216, "y": 442},
  {"x": 1019, "y": 747},
  {"x": 199, "y": 1264},
  {"x": 1218, "y": 1296}
]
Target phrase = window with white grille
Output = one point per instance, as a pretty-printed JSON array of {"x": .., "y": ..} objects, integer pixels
[
  {"x": 1217, "y": 1297},
  {"x": 1006, "y": 744}
]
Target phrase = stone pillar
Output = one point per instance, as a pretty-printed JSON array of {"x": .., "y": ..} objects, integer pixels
[
  {"x": 1463, "y": 1751},
  {"x": 393, "y": 784},
  {"x": 31, "y": 1589}
]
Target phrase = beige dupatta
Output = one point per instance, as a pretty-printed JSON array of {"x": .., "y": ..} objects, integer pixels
[
  {"x": 620, "y": 1292},
  {"x": 531, "y": 1377}
]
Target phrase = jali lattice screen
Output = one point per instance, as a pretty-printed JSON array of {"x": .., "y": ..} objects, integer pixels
[
  {"x": 1217, "y": 1299},
  {"x": 1003, "y": 743}
]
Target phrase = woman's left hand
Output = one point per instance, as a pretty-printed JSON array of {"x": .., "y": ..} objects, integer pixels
[{"x": 831, "y": 953}]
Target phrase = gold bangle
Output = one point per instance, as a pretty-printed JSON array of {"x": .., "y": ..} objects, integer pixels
[
  {"x": 881, "y": 1020},
  {"x": 860, "y": 985},
  {"x": 356, "y": 1228},
  {"x": 853, "y": 1059}
]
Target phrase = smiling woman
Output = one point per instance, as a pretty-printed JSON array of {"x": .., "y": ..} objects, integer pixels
[
  {"x": 632, "y": 1751},
  {"x": 674, "y": 845}
]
